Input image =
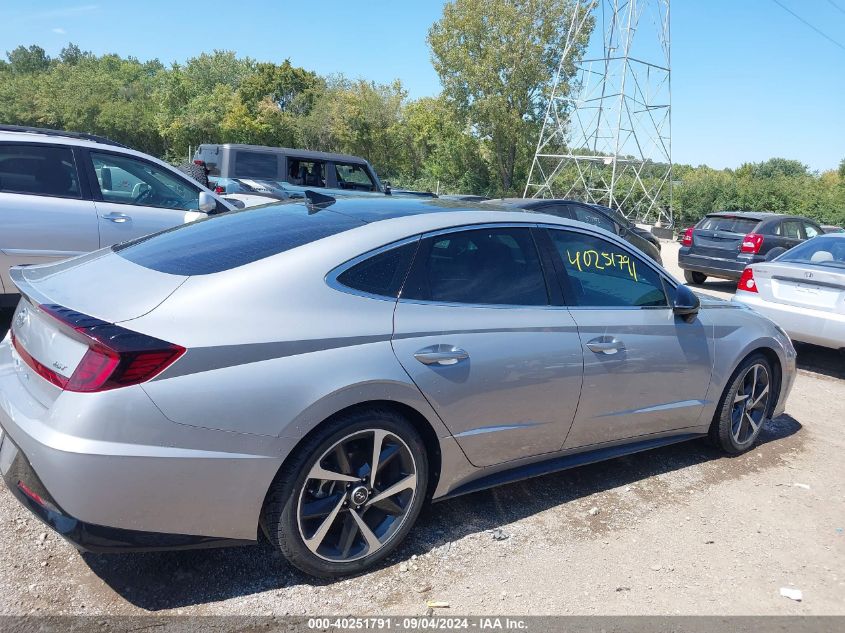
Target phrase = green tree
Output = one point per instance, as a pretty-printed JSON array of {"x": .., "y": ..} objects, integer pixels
[
  {"x": 23, "y": 60},
  {"x": 496, "y": 60}
]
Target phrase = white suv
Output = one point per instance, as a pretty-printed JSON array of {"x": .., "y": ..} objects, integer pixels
[{"x": 64, "y": 193}]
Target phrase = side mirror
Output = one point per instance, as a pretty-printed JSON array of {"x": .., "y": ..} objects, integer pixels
[
  {"x": 207, "y": 203},
  {"x": 686, "y": 304}
]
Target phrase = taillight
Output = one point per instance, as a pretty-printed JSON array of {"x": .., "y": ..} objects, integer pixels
[
  {"x": 751, "y": 243},
  {"x": 116, "y": 357},
  {"x": 746, "y": 281},
  {"x": 219, "y": 189},
  {"x": 687, "y": 239},
  {"x": 197, "y": 161}
]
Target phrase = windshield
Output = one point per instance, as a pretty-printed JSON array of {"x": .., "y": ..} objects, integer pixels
[{"x": 822, "y": 251}]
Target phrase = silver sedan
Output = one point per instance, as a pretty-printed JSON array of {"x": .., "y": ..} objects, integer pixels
[
  {"x": 317, "y": 371},
  {"x": 803, "y": 290}
]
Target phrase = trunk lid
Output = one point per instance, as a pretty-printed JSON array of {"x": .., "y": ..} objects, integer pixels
[
  {"x": 101, "y": 285},
  {"x": 721, "y": 235},
  {"x": 801, "y": 285}
]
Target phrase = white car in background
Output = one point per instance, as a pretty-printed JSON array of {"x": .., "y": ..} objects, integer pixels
[
  {"x": 802, "y": 290},
  {"x": 63, "y": 194}
]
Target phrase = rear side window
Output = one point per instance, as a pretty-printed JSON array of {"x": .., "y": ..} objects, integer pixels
[
  {"x": 729, "y": 224},
  {"x": 233, "y": 239},
  {"x": 790, "y": 229},
  {"x": 39, "y": 170},
  {"x": 482, "y": 266},
  {"x": 381, "y": 274},
  {"x": 256, "y": 165}
]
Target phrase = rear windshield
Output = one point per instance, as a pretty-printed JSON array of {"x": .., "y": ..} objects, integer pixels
[
  {"x": 728, "y": 223},
  {"x": 823, "y": 251},
  {"x": 233, "y": 239}
]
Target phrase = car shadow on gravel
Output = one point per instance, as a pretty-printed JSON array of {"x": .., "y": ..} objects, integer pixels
[
  {"x": 821, "y": 360},
  {"x": 172, "y": 580}
]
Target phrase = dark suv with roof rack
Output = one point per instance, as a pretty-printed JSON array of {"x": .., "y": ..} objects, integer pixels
[{"x": 723, "y": 244}]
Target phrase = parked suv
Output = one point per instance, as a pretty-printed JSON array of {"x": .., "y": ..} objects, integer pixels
[
  {"x": 261, "y": 164},
  {"x": 597, "y": 215},
  {"x": 65, "y": 193},
  {"x": 723, "y": 244}
]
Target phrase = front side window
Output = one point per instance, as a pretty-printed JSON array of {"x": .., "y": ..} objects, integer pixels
[
  {"x": 306, "y": 173},
  {"x": 353, "y": 176},
  {"x": 497, "y": 266},
  {"x": 590, "y": 216},
  {"x": 382, "y": 274},
  {"x": 602, "y": 274},
  {"x": 126, "y": 180},
  {"x": 811, "y": 230},
  {"x": 38, "y": 169}
]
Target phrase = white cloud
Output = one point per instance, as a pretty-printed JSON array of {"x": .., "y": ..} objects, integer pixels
[{"x": 59, "y": 30}]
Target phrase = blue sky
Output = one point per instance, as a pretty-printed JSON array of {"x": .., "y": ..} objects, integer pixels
[{"x": 749, "y": 80}]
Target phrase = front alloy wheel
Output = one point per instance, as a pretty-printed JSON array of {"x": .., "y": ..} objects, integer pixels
[
  {"x": 744, "y": 406},
  {"x": 349, "y": 495}
]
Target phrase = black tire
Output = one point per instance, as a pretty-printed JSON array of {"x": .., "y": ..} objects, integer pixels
[
  {"x": 197, "y": 172},
  {"x": 726, "y": 430},
  {"x": 694, "y": 277},
  {"x": 280, "y": 518}
]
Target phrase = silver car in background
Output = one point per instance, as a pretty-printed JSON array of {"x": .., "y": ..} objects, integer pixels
[
  {"x": 67, "y": 193},
  {"x": 318, "y": 371},
  {"x": 803, "y": 290}
]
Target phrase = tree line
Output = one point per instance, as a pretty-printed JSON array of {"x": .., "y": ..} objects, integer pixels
[{"x": 495, "y": 59}]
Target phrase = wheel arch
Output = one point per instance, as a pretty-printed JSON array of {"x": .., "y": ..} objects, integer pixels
[{"x": 775, "y": 363}]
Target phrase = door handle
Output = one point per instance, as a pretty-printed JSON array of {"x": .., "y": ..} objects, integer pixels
[
  {"x": 117, "y": 217},
  {"x": 605, "y": 345},
  {"x": 441, "y": 355}
]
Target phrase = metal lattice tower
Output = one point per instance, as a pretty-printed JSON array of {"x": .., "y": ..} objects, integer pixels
[{"x": 608, "y": 140}]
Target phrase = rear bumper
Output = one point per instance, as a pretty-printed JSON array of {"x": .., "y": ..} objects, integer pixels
[
  {"x": 802, "y": 324},
  {"x": 112, "y": 461},
  {"x": 715, "y": 266},
  {"x": 25, "y": 485}
]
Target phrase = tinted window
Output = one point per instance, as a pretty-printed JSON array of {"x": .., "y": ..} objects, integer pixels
[
  {"x": 381, "y": 274},
  {"x": 232, "y": 239},
  {"x": 127, "y": 180},
  {"x": 590, "y": 216},
  {"x": 602, "y": 274},
  {"x": 729, "y": 224},
  {"x": 256, "y": 165},
  {"x": 38, "y": 169},
  {"x": 483, "y": 266}
]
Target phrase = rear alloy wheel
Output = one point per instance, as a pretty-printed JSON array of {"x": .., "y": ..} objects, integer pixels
[
  {"x": 359, "y": 489},
  {"x": 744, "y": 406},
  {"x": 694, "y": 277}
]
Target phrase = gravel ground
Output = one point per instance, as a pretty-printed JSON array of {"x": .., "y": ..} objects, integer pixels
[{"x": 679, "y": 530}]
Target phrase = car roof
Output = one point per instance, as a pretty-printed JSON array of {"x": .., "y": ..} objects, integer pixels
[
  {"x": 751, "y": 215},
  {"x": 288, "y": 151}
]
